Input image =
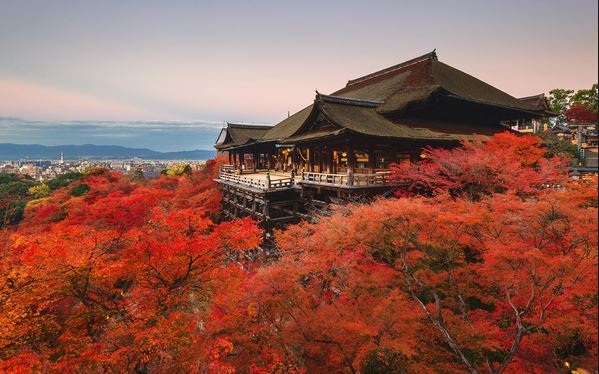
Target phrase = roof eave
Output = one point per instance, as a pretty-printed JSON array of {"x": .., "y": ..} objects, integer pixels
[{"x": 521, "y": 110}]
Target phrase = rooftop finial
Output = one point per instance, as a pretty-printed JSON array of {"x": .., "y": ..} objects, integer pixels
[{"x": 426, "y": 57}]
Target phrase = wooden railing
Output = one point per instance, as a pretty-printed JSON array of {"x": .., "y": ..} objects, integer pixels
[
  {"x": 326, "y": 179},
  {"x": 263, "y": 182},
  {"x": 227, "y": 168},
  {"x": 347, "y": 180},
  {"x": 377, "y": 179}
]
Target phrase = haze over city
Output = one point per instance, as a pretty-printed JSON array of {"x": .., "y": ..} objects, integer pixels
[{"x": 171, "y": 73}]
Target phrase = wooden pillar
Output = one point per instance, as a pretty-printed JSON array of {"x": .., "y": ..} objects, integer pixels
[
  {"x": 235, "y": 202},
  {"x": 318, "y": 159},
  {"x": 331, "y": 160},
  {"x": 311, "y": 159},
  {"x": 241, "y": 161},
  {"x": 265, "y": 211},
  {"x": 294, "y": 164},
  {"x": 351, "y": 158},
  {"x": 351, "y": 164},
  {"x": 371, "y": 159},
  {"x": 229, "y": 154}
]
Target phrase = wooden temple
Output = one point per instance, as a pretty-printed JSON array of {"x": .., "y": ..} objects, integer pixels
[{"x": 343, "y": 144}]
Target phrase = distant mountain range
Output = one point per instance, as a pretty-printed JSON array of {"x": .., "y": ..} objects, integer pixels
[{"x": 9, "y": 151}]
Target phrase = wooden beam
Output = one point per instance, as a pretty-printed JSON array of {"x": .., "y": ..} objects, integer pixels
[{"x": 280, "y": 219}]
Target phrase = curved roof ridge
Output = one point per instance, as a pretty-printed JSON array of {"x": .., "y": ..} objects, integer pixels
[
  {"x": 347, "y": 100},
  {"x": 429, "y": 56},
  {"x": 538, "y": 96},
  {"x": 248, "y": 125}
]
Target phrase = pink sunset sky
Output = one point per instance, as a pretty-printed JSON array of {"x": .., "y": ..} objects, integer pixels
[{"x": 255, "y": 61}]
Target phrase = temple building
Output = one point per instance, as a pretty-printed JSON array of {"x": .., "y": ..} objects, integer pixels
[
  {"x": 344, "y": 143},
  {"x": 536, "y": 124}
]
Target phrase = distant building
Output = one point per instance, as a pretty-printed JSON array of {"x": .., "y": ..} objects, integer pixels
[
  {"x": 536, "y": 124},
  {"x": 9, "y": 169}
]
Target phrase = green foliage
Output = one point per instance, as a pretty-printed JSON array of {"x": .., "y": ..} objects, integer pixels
[
  {"x": 556, "y": 146},
  {"x": 588, "y": 98},
  {"x": 7, "y": 178},
  {"x": 385, "y": 361},
  {"x": 15, "y": 185},
  {"x": 13, "y": 197},
  {"x": 137, "y": 174},
  {"x": 12, "y": 213},
  {"x": 15, "y": 189},
  {"x": 63, "y": 180},
  {"x": 560, "y": 100},
  {"x": 80, "y": 189}
]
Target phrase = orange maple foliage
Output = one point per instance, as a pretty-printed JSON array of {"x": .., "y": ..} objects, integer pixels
[
  {"x": 494, "y": 275},
  {"x": 501, "y": 284},
  {"x": 119, "y": 278},
  {"x": 506, "y": 163},
  {"x": 481, "y": 277}
]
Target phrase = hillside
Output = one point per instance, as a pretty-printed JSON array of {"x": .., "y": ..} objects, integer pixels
[
  {"x": 106, "y": 272},
  {"x": 9, "y": 151}
]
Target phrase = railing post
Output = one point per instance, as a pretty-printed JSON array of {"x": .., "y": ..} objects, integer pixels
[
  {"x": 267, "y": 179},
  {"x": 350, "y": 178}
]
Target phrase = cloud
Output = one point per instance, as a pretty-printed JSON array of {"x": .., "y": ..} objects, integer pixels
[
  {"x": 34, "y": 100},
  {"x": 156, "y": 135}
]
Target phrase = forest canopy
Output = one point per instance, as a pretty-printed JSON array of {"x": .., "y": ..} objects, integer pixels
[{"x": 484, "y": 261}]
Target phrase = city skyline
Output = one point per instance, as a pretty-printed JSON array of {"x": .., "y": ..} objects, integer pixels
[{"x": 110, "y": 64}]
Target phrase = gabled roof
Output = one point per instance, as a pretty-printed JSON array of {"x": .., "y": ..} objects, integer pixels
[
  {"x": 539, "y": 102},
  {"x": 389, "y": 103},
  {"x": 419, "y": 79},
  {"x": 240, "y": 134},
  {"x": 561, "y": 129},
  {"x": 287, "y": 126},
  {"x": 362, "y": 118}
]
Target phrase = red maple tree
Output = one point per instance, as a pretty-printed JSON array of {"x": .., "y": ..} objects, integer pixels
[
  {"x": 579, "y": 113},
  {"x": 487, "y": 262}
]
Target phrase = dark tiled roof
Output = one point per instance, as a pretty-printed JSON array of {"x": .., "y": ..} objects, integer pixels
[
  {"x": 466, "y": 86},
  {"x": 366, "y": 120},
  {"x": 240, "y": 134},
  {"x": 420, "y": 78},
  {"x": 287, "y": 126},
  {"x": 379, "y": 104},
  {"x": 314, "y": 135},
  {"x": 539, "y": 102}
]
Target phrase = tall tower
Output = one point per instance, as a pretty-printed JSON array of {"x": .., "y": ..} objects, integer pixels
[{"x": 61, "y": 158}]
